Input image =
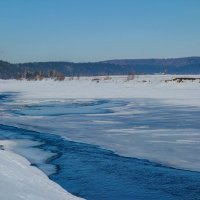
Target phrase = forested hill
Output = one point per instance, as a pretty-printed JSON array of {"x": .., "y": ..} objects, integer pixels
[{"x": 188, "y": 65}]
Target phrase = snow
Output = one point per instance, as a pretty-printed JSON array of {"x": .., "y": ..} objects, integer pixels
[
  {"x": 20, "y": 181},
  {"x": 29, "y": 149},
  {"x": 149, "y": 86}
]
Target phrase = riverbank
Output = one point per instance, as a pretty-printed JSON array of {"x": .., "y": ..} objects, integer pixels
[{"x": 25, "y": 181}]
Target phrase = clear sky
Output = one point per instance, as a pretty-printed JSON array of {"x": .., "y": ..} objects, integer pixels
[{"x": 92, "y": 30}]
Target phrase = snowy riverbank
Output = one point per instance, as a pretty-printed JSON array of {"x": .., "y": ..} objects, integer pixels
[{"x": 20, "y": 181}]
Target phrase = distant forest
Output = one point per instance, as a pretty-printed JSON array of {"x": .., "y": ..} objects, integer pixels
[{"x": 58, "y": 70}]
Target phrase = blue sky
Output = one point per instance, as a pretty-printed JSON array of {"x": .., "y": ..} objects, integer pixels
[{"x": 92, "y": 30}]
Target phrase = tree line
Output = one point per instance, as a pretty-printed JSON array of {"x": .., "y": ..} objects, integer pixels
[{"x": 52, "y": 74}]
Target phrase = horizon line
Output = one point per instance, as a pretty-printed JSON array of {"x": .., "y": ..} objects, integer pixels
[{"x": 99, "y": 61}]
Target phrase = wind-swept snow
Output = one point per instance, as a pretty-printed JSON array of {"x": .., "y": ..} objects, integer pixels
[
  {"x": 154, "y": 86},
  {"x": 20, "y": 181}
]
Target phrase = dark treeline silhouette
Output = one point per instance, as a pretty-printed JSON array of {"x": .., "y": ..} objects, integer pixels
[
  {"x": 40, "y": 75},
  {"x": 37, "y": 70}
]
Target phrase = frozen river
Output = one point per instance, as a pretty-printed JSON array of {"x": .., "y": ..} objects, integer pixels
[{"x": 109, "y": 149}]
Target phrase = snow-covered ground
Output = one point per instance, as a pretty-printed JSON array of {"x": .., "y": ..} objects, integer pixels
[
  {"x": 147, "y": 86},
  {"x": 20, "y": 181}
]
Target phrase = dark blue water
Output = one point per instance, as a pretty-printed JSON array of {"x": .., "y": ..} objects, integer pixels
[{"x": 97, "y": 174}]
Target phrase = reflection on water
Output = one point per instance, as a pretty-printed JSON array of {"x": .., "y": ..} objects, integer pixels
[{"x": 94, "y": 173}]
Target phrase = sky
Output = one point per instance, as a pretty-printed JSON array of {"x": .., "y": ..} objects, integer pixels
[{"x": 94, "y": 30}]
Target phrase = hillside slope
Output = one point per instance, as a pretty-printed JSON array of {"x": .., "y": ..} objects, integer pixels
[{"x": 189, "y": 65}]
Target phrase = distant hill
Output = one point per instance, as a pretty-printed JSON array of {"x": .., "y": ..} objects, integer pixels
[{"x": 188, "y": 65}]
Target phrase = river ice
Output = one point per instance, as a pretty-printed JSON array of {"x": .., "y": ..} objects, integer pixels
[{"x": 151, "y": 120}]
